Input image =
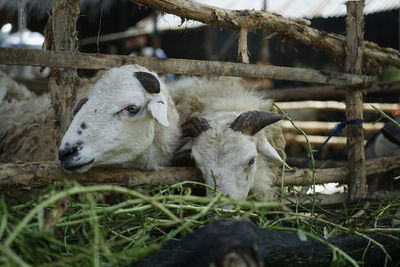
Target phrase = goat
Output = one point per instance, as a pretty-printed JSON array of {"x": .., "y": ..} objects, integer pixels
[
  {"x": 224, "y": 126},
  {"x": 129, "y": 117}
]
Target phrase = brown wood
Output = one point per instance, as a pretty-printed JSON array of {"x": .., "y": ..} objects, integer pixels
[
  {"x": 243, "y": 53},
  {"x": 335, "y": 106},
  {"x": 27, "y": 176},
  {"x": 329, "y": 92},
  {"x": 354, "y": 101},
  {"x": 39, "y": 174},
  {"x": 319, "y": 164},
  {"x": 258, "y": 19},
  {"x": 318, "y": 127},
  {"x": 62, "y": 81},
  {"x": 338, "y": 142},
  {"x": 64, "y": 59}
]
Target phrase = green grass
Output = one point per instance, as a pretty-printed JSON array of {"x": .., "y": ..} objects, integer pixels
[{"x": 109, "y": 225}]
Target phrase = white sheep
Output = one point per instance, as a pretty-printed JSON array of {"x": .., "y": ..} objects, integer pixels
[
  {"x": 26, "y": 130},
  {"x": 10, "y": 89},
  {"x": 228, "y": 141},
  {"x": 27, "y": 122},
  {"x": 128, "y": 117}
]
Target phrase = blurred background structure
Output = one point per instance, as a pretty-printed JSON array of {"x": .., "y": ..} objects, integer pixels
[{"x": 124, "y": 28}]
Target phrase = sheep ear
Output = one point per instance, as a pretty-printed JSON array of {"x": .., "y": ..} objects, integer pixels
[
  {"x": 269, "y": 151},
  {"x": 149, "y": 82},
  {"x": 252, "y": 122},
  {"x": 194, "y": 126},
  {"x": 158, "y": 108},
  {"x": 78, "y": 106}
]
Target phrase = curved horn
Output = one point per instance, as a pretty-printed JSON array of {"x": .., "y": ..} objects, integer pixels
[
  {"x": 194, "y": 126},
  {"x": 149, "y": 82},
  {"x": 253, "y": 121}
]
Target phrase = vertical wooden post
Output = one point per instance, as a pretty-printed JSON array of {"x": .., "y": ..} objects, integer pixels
[
  {"x": 354, "y": 103},
  {"x": 62, "y": 81},
  {"x": 243, "y": 53}
]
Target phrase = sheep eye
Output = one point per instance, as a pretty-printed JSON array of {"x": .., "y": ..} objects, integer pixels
[
  {"x": 133, "y": 109},
  {"x": 251, "y": 162}
]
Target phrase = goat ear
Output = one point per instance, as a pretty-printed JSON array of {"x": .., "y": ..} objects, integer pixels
[
  {"x": 158, "y": 108},
  {"x": 252, "y": 122},
  {"x": 194, "y": 126},
  {"x": 78, "y": 106},
  {"x": 265, "y": 148},
  {"x": 149, "y": 82}
]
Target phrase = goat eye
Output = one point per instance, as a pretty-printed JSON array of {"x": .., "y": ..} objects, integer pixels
[
  {"x": 251, "y": 162},
  {"x": 133, "y": 109}
]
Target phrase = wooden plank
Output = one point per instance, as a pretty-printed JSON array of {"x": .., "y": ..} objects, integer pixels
[
  {"x": 243, "y": 53},
  {"x": 318, "y": 127},
  {"x": 336, "y": 141},
  {"x": 26, "y": 176},
  {"x": 329, "y": 92},
  {"x": 260, "y": 20},
  {"x": 64, "y": 59},
  {"x": 335, "y": 106},
  {"x": 354, "y": 101},
  {"x": 63, "y": 37}
]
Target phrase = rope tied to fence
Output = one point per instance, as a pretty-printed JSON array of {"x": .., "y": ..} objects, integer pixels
[{"x": 336, "y": 131}]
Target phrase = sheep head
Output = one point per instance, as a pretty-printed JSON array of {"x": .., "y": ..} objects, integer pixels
[
  {"x": 227, "y": 155},
  {"x": 116, "y": 123}
]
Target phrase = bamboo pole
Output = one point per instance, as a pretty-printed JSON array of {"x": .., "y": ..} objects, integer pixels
[
  {"x": 27, "y": 176},
  {"x": 63, "y": 37},
  {"x": 354, "y": 102},
  {"x": 257, "y": 19}
]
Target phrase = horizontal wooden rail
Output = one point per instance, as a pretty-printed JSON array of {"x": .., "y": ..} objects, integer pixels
[
  {"x": 317, "y": 127},
  {"x": 260, "y": 20},
  {"x": 335, "y": 141},
  {"x": 26, "y": 176},
  {"x": 334, "y": 106},
  {"x": 329, "y": 92},
  {"x": 62, "y": 59}
]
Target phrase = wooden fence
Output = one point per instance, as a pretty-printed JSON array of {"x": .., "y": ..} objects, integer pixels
[{"x": 63, "y": 56}]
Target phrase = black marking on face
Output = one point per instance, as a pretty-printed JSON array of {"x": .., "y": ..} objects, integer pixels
[
  {"x": 160, "y": 101},
  {"x": 79, "y": 132},
  {"x": 149, "y": 82},
  {"x": 83, "y": 125}
]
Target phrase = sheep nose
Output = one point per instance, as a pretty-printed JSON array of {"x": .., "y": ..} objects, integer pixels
[{"x": 68, "y": 152}]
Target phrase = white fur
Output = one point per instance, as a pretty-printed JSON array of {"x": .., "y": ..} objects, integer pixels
[
  {"x": 27, "y": 123},
  {"x": 221, "y": 153},
  {"x": 147, "y": 139}
]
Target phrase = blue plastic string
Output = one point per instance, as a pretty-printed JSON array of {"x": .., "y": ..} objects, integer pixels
[{"x": 336, "y": 131}]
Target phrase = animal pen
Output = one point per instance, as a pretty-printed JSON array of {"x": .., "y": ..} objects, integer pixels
[{"x": 62, "y": 55}]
